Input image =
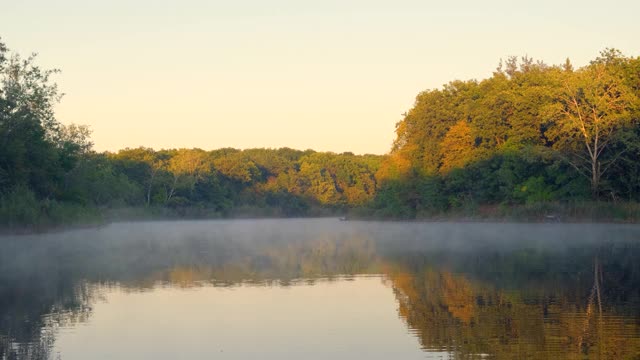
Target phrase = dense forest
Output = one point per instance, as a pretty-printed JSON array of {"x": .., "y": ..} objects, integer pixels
[
  {"x": 49, "y": 173},
  {"x": 531, "y": 135}
]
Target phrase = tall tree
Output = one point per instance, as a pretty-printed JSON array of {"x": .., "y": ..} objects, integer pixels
[
  {"x": 592, "y": 112},
  {"x": 29, "y": 154},
  {"x": 142, "y": 165},
  {"x": 188, "y": 165}
]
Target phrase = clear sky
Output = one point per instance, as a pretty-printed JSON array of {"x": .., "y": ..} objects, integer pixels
[{"x": 330, "y": 75}]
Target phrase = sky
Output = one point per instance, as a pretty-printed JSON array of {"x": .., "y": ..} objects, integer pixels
[{"x": 331, "y": 75}]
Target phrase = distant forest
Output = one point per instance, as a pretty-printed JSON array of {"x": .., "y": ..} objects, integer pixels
[{"x": 532, "y": 135}]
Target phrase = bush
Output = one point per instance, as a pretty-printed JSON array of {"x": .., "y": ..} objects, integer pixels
[{"x": 20, "y": 207}]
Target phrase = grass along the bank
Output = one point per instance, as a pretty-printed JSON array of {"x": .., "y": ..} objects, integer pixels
[
  {"x": 579, "y": 211},
  {"x": 21, "y": 212},
  {"x": 593, "y": 211}
]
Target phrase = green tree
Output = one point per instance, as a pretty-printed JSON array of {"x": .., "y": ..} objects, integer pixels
[
  {"x": 187, "y": 166},
  {"x": 593, "y": 111},
  {"x": 29, "y": 154},
  {"x": 143, "y": 165}
]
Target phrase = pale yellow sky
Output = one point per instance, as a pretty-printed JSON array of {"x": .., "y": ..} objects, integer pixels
[{"x": 331, "y": 75}]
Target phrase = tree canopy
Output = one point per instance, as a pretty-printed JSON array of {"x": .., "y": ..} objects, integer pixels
[{"x": 530, "y": 133}]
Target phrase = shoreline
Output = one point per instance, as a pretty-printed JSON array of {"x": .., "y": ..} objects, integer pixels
[{"x": 551, "y": 213}]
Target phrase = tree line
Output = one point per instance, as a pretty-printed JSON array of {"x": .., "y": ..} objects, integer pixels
[
  {"x": 531, "y": 133},
  {"x": 50, "y": 173}
]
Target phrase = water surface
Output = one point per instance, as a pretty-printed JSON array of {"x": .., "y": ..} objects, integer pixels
[{"x": 320, "y": 288}]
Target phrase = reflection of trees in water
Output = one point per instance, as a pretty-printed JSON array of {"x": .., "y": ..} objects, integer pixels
[
  {"x": 262, "y": 263},
  {"x": 40, "y": 348},
  {"x": 455, "y": 305},
  {"x": 30, "y": 320},
  {"x": 52, "y": 285},
  {"x": 457, "y": 295}
]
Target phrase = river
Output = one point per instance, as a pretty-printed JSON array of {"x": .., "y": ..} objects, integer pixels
[{"x": 322, "y": 288}]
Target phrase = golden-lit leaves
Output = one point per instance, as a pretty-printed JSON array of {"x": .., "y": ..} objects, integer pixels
[
  {"x": 591, "y": 112},
  {"x": 457, "y": 147}
]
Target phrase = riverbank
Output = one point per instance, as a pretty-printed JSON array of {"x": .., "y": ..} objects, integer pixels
[
  {"x": 585, "y": 211},
  {"x": 58, "y": 217}
]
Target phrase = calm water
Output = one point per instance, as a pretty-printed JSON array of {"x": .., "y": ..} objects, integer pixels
[{"x": 322, "y": 288}]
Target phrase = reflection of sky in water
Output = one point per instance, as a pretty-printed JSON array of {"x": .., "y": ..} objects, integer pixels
[{"x": 337, "y": 319}]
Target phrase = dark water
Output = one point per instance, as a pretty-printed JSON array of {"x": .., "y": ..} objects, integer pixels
[{"x": 321, "y": 288}]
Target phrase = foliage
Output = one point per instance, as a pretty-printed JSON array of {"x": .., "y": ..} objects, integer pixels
[{"x": 529, "y": 134}]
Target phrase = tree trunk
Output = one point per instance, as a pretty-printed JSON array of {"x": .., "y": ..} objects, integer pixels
[
  {"x": 153, "y": 174},
  {"x": 173, "y": 188},
  {"x": 148, "y": 194},
  {"x": 595, "y": 179}
]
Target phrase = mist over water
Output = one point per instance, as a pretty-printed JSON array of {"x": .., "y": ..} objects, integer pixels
[{"x": 314, "y": 288}]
